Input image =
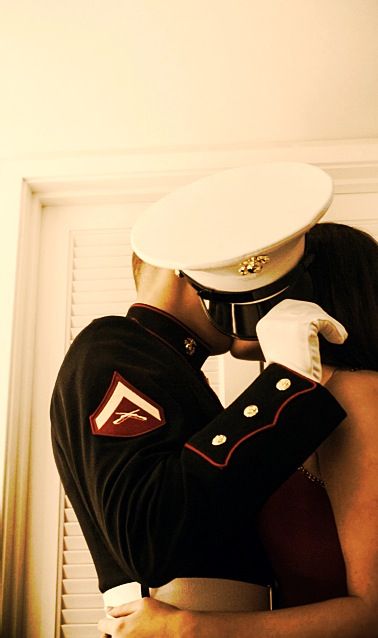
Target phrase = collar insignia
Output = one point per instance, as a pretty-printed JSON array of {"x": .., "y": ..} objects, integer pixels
[{"x": 190, "y": 346}]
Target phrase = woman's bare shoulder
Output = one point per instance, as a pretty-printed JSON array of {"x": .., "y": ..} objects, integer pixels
[
  {"x": 354, "y": 386},
  {"x": 357, "y": 393},
  {"x": 352, "y": 448}
]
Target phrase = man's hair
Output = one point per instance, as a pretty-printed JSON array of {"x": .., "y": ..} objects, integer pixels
[
  {"x": 137, "y": 266},
  {"x": 344, "y": 275}
]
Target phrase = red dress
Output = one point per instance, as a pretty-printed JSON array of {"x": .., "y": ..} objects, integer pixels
[{"x": 299, "y": 534}]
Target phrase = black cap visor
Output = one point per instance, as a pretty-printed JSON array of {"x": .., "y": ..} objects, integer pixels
[{"x": 237, "y": 313}]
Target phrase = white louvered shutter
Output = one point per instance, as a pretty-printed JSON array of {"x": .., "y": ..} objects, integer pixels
[{"x": 101, "y": 284}]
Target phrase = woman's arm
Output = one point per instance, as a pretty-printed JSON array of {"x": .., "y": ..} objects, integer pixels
[
  {"x": 148, "y": 618},
  {"x": 349, "y": 462}
]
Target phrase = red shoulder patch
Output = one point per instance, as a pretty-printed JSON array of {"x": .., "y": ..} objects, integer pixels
[{"x": 125, "y": 411}]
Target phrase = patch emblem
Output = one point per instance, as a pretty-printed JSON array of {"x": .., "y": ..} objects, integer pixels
[{"x": 125, "y": 411}]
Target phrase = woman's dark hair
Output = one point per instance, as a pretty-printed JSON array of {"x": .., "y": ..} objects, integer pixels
[{"x": 344, "y": 275}]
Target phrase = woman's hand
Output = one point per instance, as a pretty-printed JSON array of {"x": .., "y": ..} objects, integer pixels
[{"x": 142, "y": 618}]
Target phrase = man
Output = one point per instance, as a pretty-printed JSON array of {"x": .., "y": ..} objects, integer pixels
[{"x": 164, "y": 481}]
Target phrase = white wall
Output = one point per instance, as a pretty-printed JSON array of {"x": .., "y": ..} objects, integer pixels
[{"x": 118, "y": 74}]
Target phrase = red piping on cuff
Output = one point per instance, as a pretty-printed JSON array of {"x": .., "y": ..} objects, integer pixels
[{"x": 247, "y": 436}]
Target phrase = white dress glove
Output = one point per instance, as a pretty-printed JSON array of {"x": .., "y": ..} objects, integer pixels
[{"x": 288, "y": 334}]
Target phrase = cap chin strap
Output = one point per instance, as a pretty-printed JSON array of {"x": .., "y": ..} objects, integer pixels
[{"x": 237, "y": 313}]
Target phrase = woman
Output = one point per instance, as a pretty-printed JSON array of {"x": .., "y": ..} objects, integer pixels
[{"x": 328, "y": 589}]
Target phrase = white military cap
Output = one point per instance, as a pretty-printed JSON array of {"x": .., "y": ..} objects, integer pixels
[{"x": 236, "y": 230}]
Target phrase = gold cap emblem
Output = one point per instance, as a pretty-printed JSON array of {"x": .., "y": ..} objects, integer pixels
[{"x": 252, "y": 265}]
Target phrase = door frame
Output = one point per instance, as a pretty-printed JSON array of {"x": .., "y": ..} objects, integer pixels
[{"x": 26, "y": 186}]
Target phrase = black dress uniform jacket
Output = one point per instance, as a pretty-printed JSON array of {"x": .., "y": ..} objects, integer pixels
[{"x": 163, "y": 480}]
